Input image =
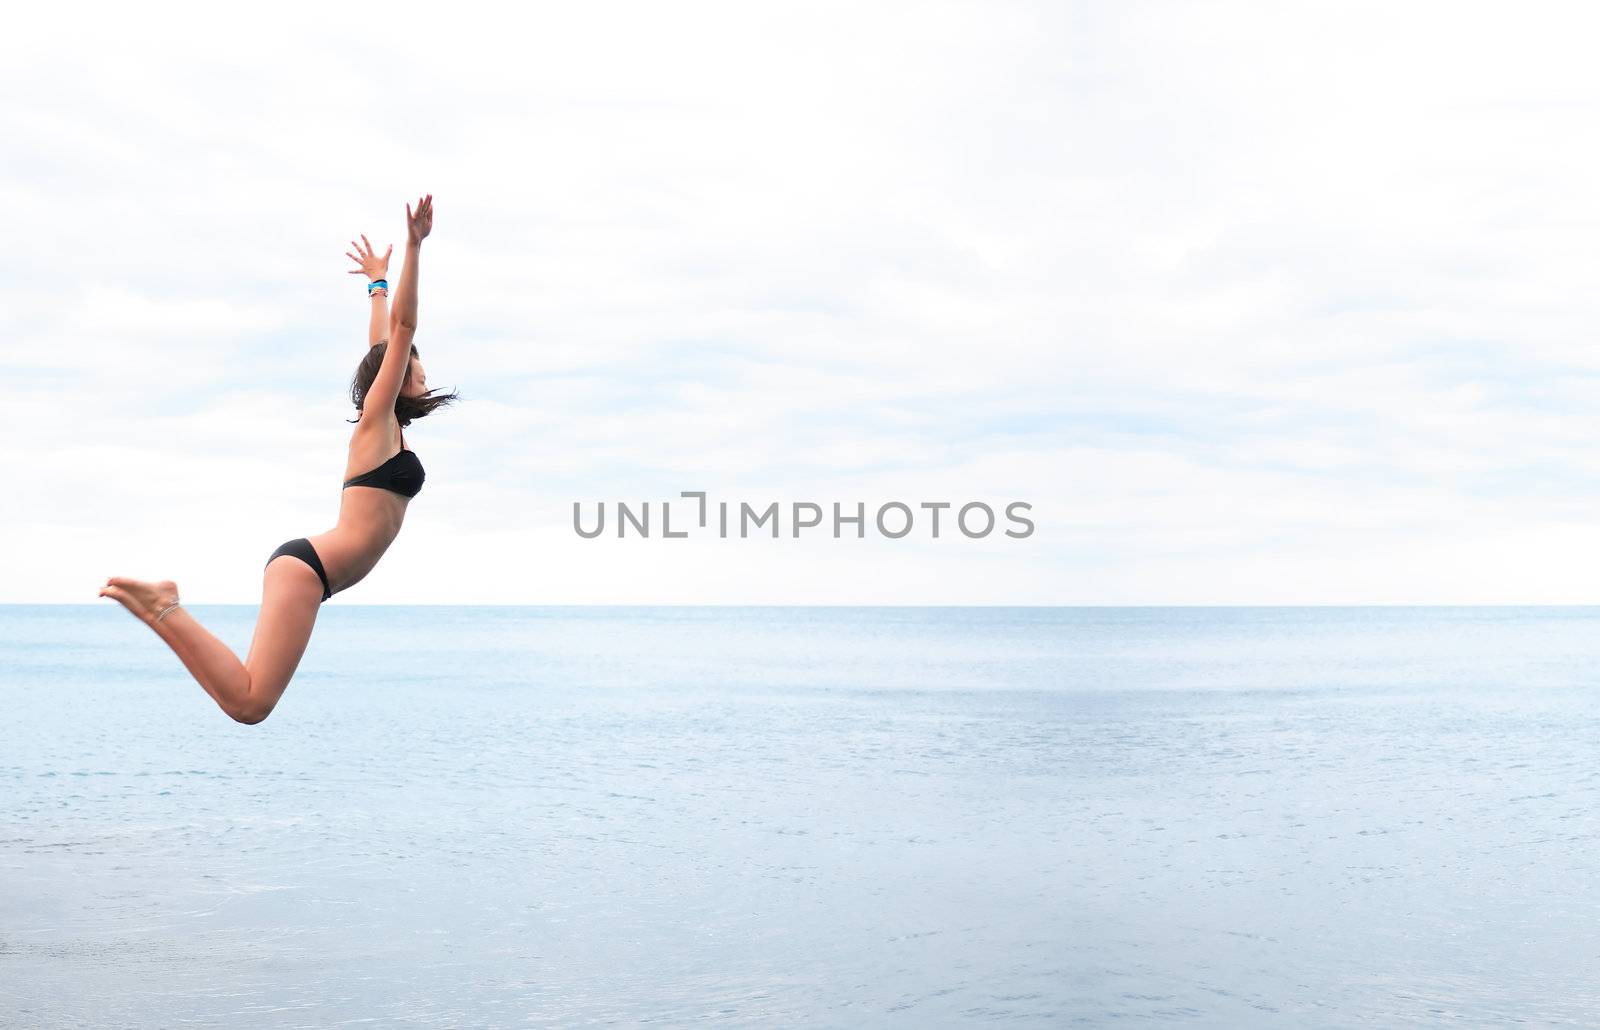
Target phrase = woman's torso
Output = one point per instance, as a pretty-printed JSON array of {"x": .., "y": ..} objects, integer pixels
[{"x": 369, "y": 515}]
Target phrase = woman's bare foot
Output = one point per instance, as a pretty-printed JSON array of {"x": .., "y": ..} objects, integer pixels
[{"x": 144, "y": 600}]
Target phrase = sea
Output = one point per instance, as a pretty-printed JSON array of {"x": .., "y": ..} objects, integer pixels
[{"x": 813, "y": 816}]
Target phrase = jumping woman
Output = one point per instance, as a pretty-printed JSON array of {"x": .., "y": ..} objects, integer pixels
[{"x": 389, "y": 389}]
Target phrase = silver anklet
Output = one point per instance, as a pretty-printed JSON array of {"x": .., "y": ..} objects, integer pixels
[{"x": 166, "y": 611}]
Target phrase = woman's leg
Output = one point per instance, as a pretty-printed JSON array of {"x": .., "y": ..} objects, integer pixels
[{"x": 290, "y": 597}]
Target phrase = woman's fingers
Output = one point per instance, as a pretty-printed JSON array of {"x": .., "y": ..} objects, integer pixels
[
  {"x": 364, "y": 255},
  {"x": 420, "y": 220}
]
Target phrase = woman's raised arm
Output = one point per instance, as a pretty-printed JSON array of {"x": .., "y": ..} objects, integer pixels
[
  {"x": 417, "y": 228},
  {"x": 376, "y": 269},
  {"x": 397, "y": 359}
]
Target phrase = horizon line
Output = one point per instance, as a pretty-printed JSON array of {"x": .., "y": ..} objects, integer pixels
[{"x": 658, "y": 604}]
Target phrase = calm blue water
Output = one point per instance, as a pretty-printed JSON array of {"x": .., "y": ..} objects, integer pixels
[{"x": 813, "y": 816}]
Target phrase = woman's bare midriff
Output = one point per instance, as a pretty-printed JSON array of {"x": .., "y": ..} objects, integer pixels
[{"x": 369, "y": 520}]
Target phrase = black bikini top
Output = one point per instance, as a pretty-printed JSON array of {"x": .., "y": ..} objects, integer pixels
[{"x": 402, "y": 474}]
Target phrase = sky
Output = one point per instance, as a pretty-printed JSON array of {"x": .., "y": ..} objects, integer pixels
[{"x": 1251, "y": 303}]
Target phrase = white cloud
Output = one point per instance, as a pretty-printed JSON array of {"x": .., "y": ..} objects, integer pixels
[{"x": 1254, "y": 303}]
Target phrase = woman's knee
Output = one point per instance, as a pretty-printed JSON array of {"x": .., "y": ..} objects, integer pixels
[
  {"x": 256, "y": 704},
  {"x": 250, "y": 712}
]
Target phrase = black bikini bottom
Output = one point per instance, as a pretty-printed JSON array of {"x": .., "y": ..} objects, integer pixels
[{"x": 301, "y": 548}]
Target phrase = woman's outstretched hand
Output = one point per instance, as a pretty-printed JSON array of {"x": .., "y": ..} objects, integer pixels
[
  {"x": 419, "y": 225},
  {"x": 372, "y": 266}
]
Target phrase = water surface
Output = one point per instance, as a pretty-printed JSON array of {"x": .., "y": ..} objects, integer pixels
[{"x": 1218, "y": 817}]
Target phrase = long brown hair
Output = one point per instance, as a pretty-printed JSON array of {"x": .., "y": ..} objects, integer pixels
[{"x": 405, "y": 408}]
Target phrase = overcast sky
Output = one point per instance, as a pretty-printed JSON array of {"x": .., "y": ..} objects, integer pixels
[{"x": 1254, "y": 303}]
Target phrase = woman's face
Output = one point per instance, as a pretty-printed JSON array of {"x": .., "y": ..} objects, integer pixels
[{"x": 416, "y": 383}]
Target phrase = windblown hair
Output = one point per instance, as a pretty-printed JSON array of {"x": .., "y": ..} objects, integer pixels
[{"x": 405, "y": 408}]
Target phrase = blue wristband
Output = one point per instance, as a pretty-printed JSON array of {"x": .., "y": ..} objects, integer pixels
[{"x": 374, "y": 284}]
